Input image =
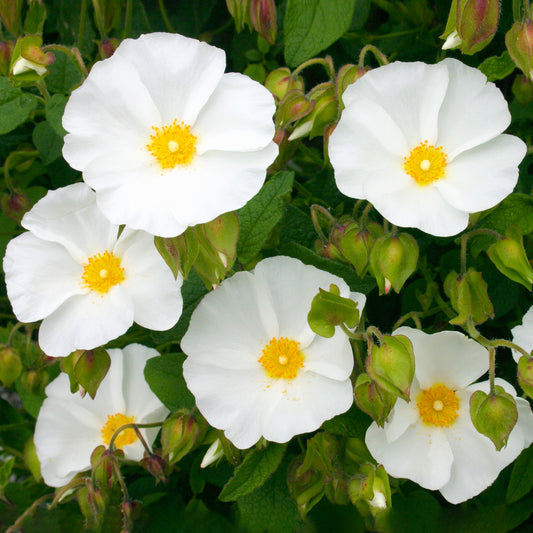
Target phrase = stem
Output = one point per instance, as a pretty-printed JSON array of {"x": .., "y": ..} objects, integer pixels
[
  {"x": 121, "y": 481},
  {"x": 127, "y": 19},
  {"x": 512, "y": 345},
  {"x": 81, "y": 27},
  {"x": 356, "y": 336},
  {"x": 372, "y": 330},
  {"x": 14, "y": 329},
  {"x": 492, "y": 368},
  {"x": 414, "y": 316},
  {"x": 378, "y": 54},
  {"x": 325, "y": 62},
  {"x": 464, "y": 241},
  {"x": 133, "y": 426},
  {"x": 364, "y": 215},
  {"x": 164, "y": 16},
  {"x": 9, "y": 161},
  {"x": 28, "y": 512},
  {"x": 315, "y": 209}
]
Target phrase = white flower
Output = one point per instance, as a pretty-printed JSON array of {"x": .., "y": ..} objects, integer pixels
[
  {"x": 167, "y": 139},
  {"x": 87, "y": 283},
  {"x": 431, "y": 440},
  {"x": 69, "y": 427},
  {"x": 255, "y": 366},
  {"x": 423, "y": 144},
  {"x": 523, "y": 334}
]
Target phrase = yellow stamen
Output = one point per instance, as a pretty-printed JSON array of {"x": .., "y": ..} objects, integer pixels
[
  {"x": 281, "y": 358},
  {"x": 438, "y": 406},
  {"x": 172, "y": 145},
  {"x": 425, "y": 163},
  {"x": 101, "y": 272},
  {"x": 113, "y": 422}
]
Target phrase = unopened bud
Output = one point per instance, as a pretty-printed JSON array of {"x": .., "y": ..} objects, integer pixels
[
  {"x": 103, "y": 466},
  {"x": 279, "y": 82},
  {"x": 523, "y": 89},
  {"x": 519, "y": 42},
  {"x": 263, "y": 17},
  {"x": 213, "y": 454},
  {"x": 494, "y": 415},
  {"x": 392, "y": 365},
  {"x": 31, "y": 460},
  {"x": 10, "y": 366},
  {"x": 372, "y": 399},
  {"x": 107, "y": 47},
  {"x": 347, "y": 75},
  {"x": 15, "y": 205},
  {"x": 393, "y": 258},
  {"x": 179, "y": 435},
  {"x": 28, "y": 61},
  {"x": 156, "y": 466},
  {"x": 240, "y": 11},
  {"x": 356, "y": 245},
  {"x": 5, "y": 57},
  {"x": 476, "y": 23},
  {"x": 306, "y": 486},
  {"x": 525, "y": 375},
  {"x": 34, "y": 381},
  {"x": 294, "y": 106}
]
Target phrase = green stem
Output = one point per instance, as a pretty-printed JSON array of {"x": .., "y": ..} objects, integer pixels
[
  {"x": 164, "y": 16},
  {"x": 325, "y": 62},
  {"x": 464, "y": 242},
  {"x": 512, "y": 345},
  {"x": 364, "y": 215},
  {"x": 127, "y": 19},
  {"x": 28, "y": 512},
  {"x": 356, "y": 336},
  {"x": 133, "y": 426},
  {"x": 81, "y": 27},
  {"x": 492, "y": 368},
  {"x": 372, "y": 330},
  {"x": 378, "y": 54},
  {"x": 315, "y": 210},
  {"x": 414, "y": 316}
]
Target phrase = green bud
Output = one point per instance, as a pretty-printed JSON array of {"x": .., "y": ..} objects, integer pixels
[
  {"x": 279, "y": 82},
  {"x": 372, "y": 399},
  {"x": 523, "y": 90},
  {"x": 15, "y": 205},
  {"x": 393, "y": 259},
  {"x": 347, "y": 75},
  {"x": 392, "y": 365},
  {"x": 5, "y": 57},
  {"x": 306, "y": 486},
  {"x": 323, "y": 454},
  {"x": 231, "y": 453},
  {"x": 107, "y": 47},
  {"x": 10, "y": 366},
  {"x": 509, "y": 257},
  {"x": 219, "y": 237},
  {"x": 294, "y": 106},
  {"x": 213, "y": 454},
  {"x": 131, "y": 510},
  {"x": 356, "y": 245},
  {"x": 35, "y": 17},
  {"x": 179, "y": 252},
  {"x": 355, "y": 450},
  {"x": 102, "y": 463},
  {"x": 360, "y": 487},
  {"x": 469, "y": 297},
  {"x": 34, "y": 381},
  {"x": 519, "y": 42},
  {"x": 179, "y": 434},
  {"x": 10, "y": 14},
  {"x": 329, "y": 310},
  {"x": 336, "y": 491},
  {"x": 156, "y": 466},
  {"x": 240, "y": 11},
  {"x": 525, "y": 375},
  {"x": 476, "y": 23},
  {"x": 263, "y": 17},
  {"x": 494, "y": 415},
  {"x": 31, "y": 460},
  {"x": 28, "y": 62},
  {"x": 86, "y": 368}
]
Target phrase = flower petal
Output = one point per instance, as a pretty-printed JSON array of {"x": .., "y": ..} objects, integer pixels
[
  {"x": 447, "y": 357},
  {"x": 40, "y": 276},
  {"x": 85, "y": 322},
  {"x": 331, "y": 358},
  {"x": 523, "y": 334},
  {"x": 237, "y": 116},
  {"x": 481, "y": 177}
]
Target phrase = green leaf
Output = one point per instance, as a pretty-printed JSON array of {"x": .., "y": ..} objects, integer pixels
[
  {"x": 497, "y": 67},
  {"x": 259, "y": 216},
  {"x": 516, "y": 209},
  {"x": 47, "y": 141},
  {"x": 256, "y": 468},
  {"x": 165, "y": 376},
  {"x": 64, "y": 74},
  {"x": 353, "y": 423},
  {"x": 521, "y": 481},
  {"x": 313, "y": 25},
  {"x": 5, "y": 472},
  {"x": 270, "y": 508},
  {"x": 54, "y": 109},
  {"x": 15, "y": 106}
]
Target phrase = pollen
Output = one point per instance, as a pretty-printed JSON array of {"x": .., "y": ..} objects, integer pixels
[
  {"x": 425, "y": 163},
  {"x": 282, "y": 358},
  {"x": 101, "y": 272},
  {"x": 438, "y": 406},
  {"x": 172, "y": 145},
  {"x": 113, "y": 422}
]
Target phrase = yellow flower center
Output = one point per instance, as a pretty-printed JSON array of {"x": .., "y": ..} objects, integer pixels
[
  {"x": 438, "y": 406},
  {"x": 425, "y": 163},
  {"x": 113, "y": 422},
  {"x": 102, "y": 272},
  {"x": 281, "y": 358},
  {"x": 172, "y": 145}
]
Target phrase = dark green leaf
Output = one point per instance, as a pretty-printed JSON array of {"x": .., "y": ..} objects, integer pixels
[
  {"x": 497, "y": 67},
  {"x": 259, "y": 216},
  {"x": 15, "y": 106},
  {"x": 47, "y": 141},
  {"x": 5, "y": 471},
  {"x": 521, "y": 481},
  {"x": 256, "y": 468},
  {"x": 165, "y": 376},
  {"x": 55, "y": 107},
  {"x": 63, "y": 75},
  {"x": 515, "y": 209},
  {"x": 313, "y": 25}
]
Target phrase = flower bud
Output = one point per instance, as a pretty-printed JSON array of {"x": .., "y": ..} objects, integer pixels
[
  {"x": 469, "y": 297},
  {"x": 102, "y": 463},
  {"x": 213, "y": 454},
  {"x": 279, "y": 82},
  {"x": 240, "y": 11},
  {"x": 372, "y": 399},
  {"x": 131, "y": 510},
  {"x": 393, "y": 258},
  {"x": 5, "y": 57},
  {"x": 179, "y": 434},
  {"x": 156, "y": 466},
  {"x": 15, "y": 205},
  {"x": 31, "y": 460},
  {"x": 523, "y": 90},
  {"x": 107, "y": 47},
  {"x": 494, "y": 415},
  {"x": 86, "y": 368},
  {"x": 10, "y": 366},
  {"x": 525, "y": 375},
  {"x": 356, "y": 245},
  {"x": 509, "y": 257},
  {"x": 347, "y": 75},
  {"x": 263, "y": 17},
  {"x": 294, "y": 106},
  {"x": 356, "y": 452},
  {"x": 10, "y": 15},
  {"x": 329, "y": 309},
  {"x": 34, "y": 381},
  {"x": 392, "y": 365},
  {"x": 306, "y": 486},
  {"x": 180, "y": 252},
  {"x": 93, "y": 503},
  {"x": 476, "y": 23},
  {"x": 336, "y": 491},
  {"x": 519, "y": 42},
  {"x": 28, "y": 61}
]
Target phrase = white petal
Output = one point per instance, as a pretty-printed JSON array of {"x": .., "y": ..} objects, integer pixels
[
  {"x": 523, "y": 334},
  {"x": 481, "y": 177},
  {"x": 156, "y": 295},
  {"x": 180, "y": 73},
  {"x": 447, "y": 357},
  {"x": 40, "y": 276},
  {"x": 331, "y": 358},
  {"x": 237, "y": 116},
  {"x": 403, "y": 415},
  {"x": 473, "y": 111},
  {"x": 69, "y": 216},
  {"x": 411, "y": 93},
  {"x": 231, "y": 325},
  {"x": 421, "y": 207},
  {"x": 421, "y": 454},
  {"x": 86, "y": 322}
]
